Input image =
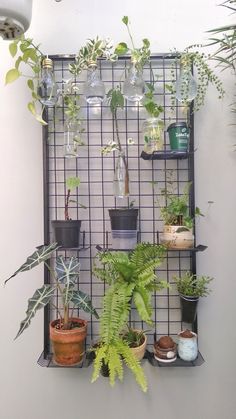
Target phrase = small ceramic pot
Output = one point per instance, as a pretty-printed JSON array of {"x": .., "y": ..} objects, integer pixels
[
  {"x": 187, "y": 345},
  {"x": 175, "y": 239},
  {"x": 165, "y": 353},
  {"x": 139, "y": 351}
]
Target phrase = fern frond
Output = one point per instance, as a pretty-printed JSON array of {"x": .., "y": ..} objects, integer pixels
[
  {"x": 100, "y": 357},
  {"x": 133, "y": 364},
  {"x": 115, "y": 313},
  {"x": 114, "y": 364},
  {"x": 142, "y": 301},
  {"x": 145, "y": 253}
]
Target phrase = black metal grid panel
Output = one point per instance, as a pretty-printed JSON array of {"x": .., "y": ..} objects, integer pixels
[{"x": 96, "y": 192}]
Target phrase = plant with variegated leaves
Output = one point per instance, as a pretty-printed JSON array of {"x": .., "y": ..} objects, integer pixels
[{"x": 65, "y": 284}]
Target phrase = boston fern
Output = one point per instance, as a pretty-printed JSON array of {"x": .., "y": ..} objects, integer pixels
[
  {"x": 137, "y": 270},
  {"x": 130, "y": 276},
  {"x": 64, "y": 276},
  {"x": 112, "y": 351}
]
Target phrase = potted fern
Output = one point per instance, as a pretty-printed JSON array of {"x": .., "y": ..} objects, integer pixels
[
  {"x": 66, "y": 232},
  {"x": 67, "y": 332},
  {"x": 130, "y": 278}
]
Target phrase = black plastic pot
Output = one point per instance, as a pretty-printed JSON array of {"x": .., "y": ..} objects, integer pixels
[
  {"x": 123, "y": 219},
  {"x": 188, "y": 308},
  {"x": 104, "y": 370},
  {"x": 66, "y": 232}
]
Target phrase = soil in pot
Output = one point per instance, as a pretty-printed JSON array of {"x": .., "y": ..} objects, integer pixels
[
  {"x": 165, "y": 349},
  {"x": 66, "y": 232},
  {"x": 188, "y": 308},
  {"x": 68, "y": 345}
]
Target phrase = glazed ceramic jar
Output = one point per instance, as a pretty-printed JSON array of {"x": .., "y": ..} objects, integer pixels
[{"x": 187, "y": 345}]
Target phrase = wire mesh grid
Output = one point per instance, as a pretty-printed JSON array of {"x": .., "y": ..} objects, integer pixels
[{"x": 95, "y": 192}]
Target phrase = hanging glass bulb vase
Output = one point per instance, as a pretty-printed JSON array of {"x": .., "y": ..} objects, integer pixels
[
  {"x": 48, "y": 90},
  {"x": 121, "y": 177},
  {"x": 134, "y": 85},
  {"x": 72, "y": 138},
  {"x": 186, "y": 85},
  {"x": 94, "y": 88}
]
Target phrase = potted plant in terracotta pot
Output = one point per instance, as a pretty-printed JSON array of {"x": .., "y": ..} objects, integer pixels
[
  {"x": 67, "y": 332},
  {"x": 191, "y": 287},
  {"x": 178, "y": 223},
  {"x": 66, "y": 232}
]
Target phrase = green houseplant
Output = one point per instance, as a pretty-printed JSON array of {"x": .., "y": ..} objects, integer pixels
[
  {"x": 67, "y": 332},
  {"x": 152, "y": 127},
  {"x": 136, "y": 340},
  {"x": 66, "y": 232},
  {"x": 130, "y": 277},
  {"x": 134, "y": 85},
  {"x": 178, "y": 223},
  {"x": 191, "y": 287}
]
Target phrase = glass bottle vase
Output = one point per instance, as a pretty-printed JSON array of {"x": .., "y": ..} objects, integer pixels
[
  {"x": 134, "y": 85},
  {"x": 121, "y": 177}
]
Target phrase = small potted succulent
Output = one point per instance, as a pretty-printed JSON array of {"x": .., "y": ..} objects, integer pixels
[
  {"x": 67, "y": 332},
  {"x": 66, "y": 232},
  {"x": 191, "y": 287},
  {"x": 187, "y": 345},
  {"x": 137, "y": 341},
  {"x": 153, "y": 126},
  {"x": 178, "y": 223}
]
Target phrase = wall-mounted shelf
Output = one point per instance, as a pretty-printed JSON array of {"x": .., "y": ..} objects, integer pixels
[
  {"x": 96, "y": 189},
  {"x": 178, "y": 363}
]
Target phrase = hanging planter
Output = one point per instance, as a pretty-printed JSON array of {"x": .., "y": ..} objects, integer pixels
[
  {"x": 67, "y": 232},
  {"x": 191, "y": 287},
  {"x": 15, "y": 18},
  {"x": 124, "y": 227}
]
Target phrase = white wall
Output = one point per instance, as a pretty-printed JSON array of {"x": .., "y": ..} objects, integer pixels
[{"x": 30, "y": 392}]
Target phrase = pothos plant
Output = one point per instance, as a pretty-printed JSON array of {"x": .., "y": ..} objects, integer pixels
[
  {"x": 204, "y": 76},
  {"x": 89, "y": 54},
  {"x": 65, "y": 283},
  {"x": 29, "y": 56},
  {"x": 139, "y": 56},
  {"x": 130, "y": 278},
  {"x": 71, "y": 184}
]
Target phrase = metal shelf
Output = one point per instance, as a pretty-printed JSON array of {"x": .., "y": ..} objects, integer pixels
[
  {"x": 165, "y": 155},
  {"x": 178, "y": 363}
]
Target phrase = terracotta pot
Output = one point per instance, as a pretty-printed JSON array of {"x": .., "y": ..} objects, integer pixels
[
  {"x": 68, "y": 345},
  {"x": 139, "y": 351},
  {"x": 175, "y": 239}
]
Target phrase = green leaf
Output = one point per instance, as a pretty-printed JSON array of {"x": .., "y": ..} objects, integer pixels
[
  {"x": 72, "y": 183},
  {"x": 146, "y": 42},
  {"x": 39, "y": 300},
  {"x": 17, "y": 63},
  {"x": 121, "y": 49},
  {"x": 67, "y": 270},
  {"x": 12, "y": 75},
  {"x": 31, "y": 107},
  {"x": 142, "y": 303},
  {"x": 30, "y": 84},
  {"x": 40, "y": 255},
  {"x": 125, "y": 20},
  {"x": 13, "y": 49},
  {"x": 29, "y": 53},
  {"x": 40, "y": 119},
  {"x": 82, "y": 301}
]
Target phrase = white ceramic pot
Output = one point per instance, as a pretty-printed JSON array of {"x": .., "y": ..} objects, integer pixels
[
  {"x": 177, "y": 240},
  {"x": 187, "y": 347},
  {"x": 15, "y": 17}
]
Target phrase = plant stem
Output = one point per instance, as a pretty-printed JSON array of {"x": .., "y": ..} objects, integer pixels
[
  {"x": 67, "y": 205},
  {"x": 120, "y": 150},
  {"x": 131, "y": 38}
]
